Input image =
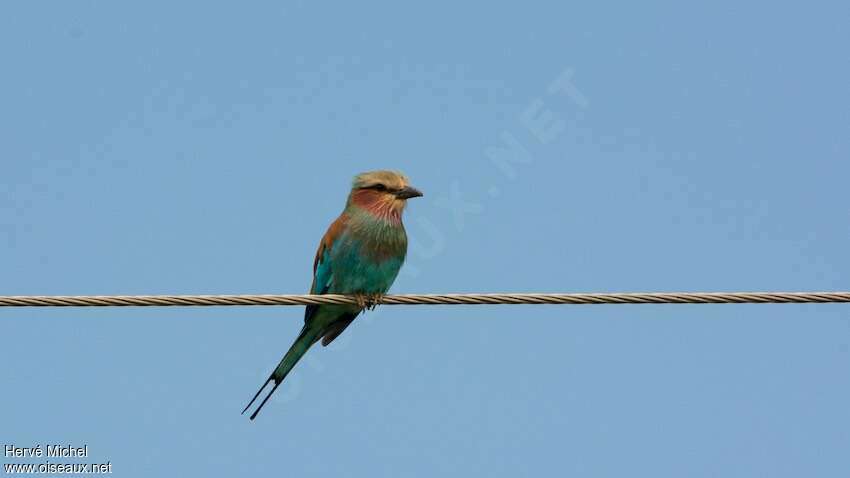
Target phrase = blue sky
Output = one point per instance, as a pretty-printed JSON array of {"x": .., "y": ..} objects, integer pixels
[{"x": 204, "y": 148}]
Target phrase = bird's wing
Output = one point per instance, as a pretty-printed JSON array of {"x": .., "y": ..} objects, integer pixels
[
  {"x": 322, "y": 268},
  {"x": 337, "y": 328}
]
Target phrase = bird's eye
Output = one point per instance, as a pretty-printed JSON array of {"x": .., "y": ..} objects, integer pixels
[{"x": 380, "y": 187}]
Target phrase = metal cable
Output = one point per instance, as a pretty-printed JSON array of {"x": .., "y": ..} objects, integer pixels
[{"x": 429, "y": 299}]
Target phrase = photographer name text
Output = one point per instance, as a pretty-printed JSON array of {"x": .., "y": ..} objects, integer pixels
[{"x": 39, "y": 451}]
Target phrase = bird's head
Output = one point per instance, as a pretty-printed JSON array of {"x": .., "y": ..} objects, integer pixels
[{"x": 382, "y": 191}]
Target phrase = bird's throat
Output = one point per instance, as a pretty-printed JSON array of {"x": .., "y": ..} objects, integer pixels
[{"x": 379, "y": 208}]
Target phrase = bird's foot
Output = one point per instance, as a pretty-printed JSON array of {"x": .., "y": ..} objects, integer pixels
[
  {"x": 368, "y": 301},
  {"x": 362, "y": 300},
  {"x": 374, "y": 300}
]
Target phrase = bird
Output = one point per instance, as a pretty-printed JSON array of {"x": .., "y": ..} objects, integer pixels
[{"x": 361, "y": 255}]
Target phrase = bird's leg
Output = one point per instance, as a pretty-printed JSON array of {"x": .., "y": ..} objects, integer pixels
[
  {"x": 368, "y": 300},
  {"x": 374, "y": 299},
  {"x": 362, "y": 300}
]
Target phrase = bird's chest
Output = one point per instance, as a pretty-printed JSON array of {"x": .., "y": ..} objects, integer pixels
[{"x": 367, "y": 263}]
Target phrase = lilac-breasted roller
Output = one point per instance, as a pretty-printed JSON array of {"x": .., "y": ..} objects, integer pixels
[{"x": 360, "y": 254}]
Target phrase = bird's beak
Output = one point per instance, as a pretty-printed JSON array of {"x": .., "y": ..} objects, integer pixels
[{"x": 408, "y": 192}]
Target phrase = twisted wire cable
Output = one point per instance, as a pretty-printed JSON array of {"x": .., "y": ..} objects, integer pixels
[{"x": 427, "y": 299}]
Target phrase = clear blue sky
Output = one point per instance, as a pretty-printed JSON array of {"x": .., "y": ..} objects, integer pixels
[{"x": 191, "y": 147}]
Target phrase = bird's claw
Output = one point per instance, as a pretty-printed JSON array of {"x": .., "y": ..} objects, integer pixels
[
  {"x": 367, "y": 301},
  {"x": 375, "y": 300}
]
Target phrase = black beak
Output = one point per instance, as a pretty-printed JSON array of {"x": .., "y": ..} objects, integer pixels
[{"x": 408, "y": 192}]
